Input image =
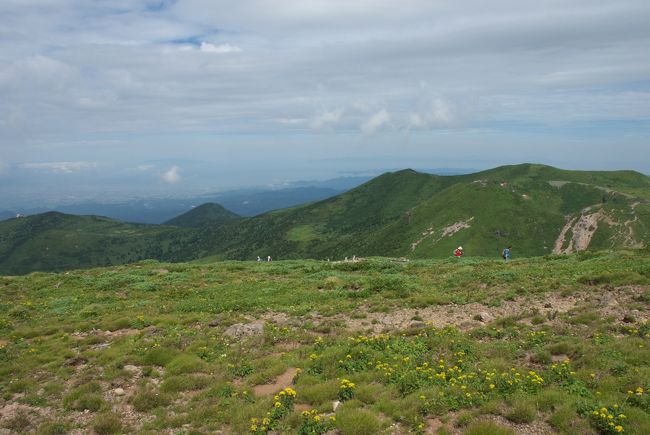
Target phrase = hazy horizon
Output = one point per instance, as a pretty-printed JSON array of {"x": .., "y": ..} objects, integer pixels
[{"x": 174, "y": 97}]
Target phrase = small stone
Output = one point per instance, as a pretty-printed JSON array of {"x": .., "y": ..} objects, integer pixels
[
  {"x": 335, "y": 405},
  {"x": 119, "y": 391},
  {"x": 548, "y": 305},
  {"x": 484, "y": 317},
  {"x": 217, "y": 321},
  {"x": 417, "y": 324}
]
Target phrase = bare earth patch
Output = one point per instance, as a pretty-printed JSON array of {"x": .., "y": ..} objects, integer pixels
[
  {"x": 11, "y": 410},
  {"x": 283, "y": 381},
  {"x": 474, "y": 314}
]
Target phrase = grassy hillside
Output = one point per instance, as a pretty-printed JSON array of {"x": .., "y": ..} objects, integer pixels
[
  {"x": 56, "y": 241},
  {"x": 207, "y": 214},
  {"x": 555, "y": 344},
  {"x": 537, "y": 209},
  {"x": 421, "y": 216}
]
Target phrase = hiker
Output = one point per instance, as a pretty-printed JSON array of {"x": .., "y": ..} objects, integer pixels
[
  {"x": 268, "y": 259},
  {"x": 506, "y": 253},
  {"x": 458, "y": 252},
  {"x": 258, "y": 259}
]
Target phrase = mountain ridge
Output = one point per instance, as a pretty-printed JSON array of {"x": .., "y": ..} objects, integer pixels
[{"x": 538, "y": 209}]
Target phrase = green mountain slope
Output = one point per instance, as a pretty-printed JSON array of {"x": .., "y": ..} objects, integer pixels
[
  {"x": 419, "y": 215},
  {"x": 203, "y": 215},
  {"x": 55, "y": 241},
  {"x": 537, "y": 209}
]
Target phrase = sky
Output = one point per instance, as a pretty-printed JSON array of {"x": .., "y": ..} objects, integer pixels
[{"x": 117, "y": 97}]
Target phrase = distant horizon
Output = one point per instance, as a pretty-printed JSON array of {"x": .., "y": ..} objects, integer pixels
[
  {"x": 40, "y": 199},
  {"x": 114, "y": 98}
]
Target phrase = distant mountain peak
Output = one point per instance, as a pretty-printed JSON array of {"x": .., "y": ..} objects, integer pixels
[{"x": 209, "y": 213}]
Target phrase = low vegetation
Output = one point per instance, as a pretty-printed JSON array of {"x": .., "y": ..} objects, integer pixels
[{"x": 556, "y": 344}]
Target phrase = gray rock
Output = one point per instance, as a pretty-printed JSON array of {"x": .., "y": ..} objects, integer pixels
[
  {"x": 335, "y": 405},
  {"x": 608, "y": 300},
  {"x": 417, "y": 324},
  {"x": 119, "y": 391},
  {"x": 241, "y": 330},
  {"x": 134, "y": 370},
  {"x": 484, "y": 317}
]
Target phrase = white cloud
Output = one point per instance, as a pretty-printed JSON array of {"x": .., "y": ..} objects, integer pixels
[
  {"x": 291, "y": 121},
  {"x": 375, "y": 121},
  {"x": 326, "y": 119},
  {"x": 144, "y": 168},
  {"x": 208, "y": 47},
  {"x": 225, "y": 78},
  {"x": 438, "y": 114},
  {"x": 59, "y": 167},
  {"x": 172, "y": 175}
]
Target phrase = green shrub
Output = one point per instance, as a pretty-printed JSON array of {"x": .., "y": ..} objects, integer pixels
[
  {"x": 357, "y": 422},
  {"x": 147, "y": 399},
  {"x": 316, "y": 392},
  {"x": 52, "y": 428},
  {"x": 19, "y": 312},
  {"x": 522, "y": 411},
  {"x": 160, "y": 356},
  {"x": 485, "y": 427},
  {"x": 87, "y": 396},
  {"x": 184, "y": 383},
  {"x": 107, "y": 423},
  {"x": 186, "y": 364},
  {"x": 390, "y": 282},
  {"x": 566, "y": 420}
]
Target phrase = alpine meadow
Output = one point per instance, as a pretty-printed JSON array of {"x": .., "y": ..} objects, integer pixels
[{"x": 399, "y": 337}]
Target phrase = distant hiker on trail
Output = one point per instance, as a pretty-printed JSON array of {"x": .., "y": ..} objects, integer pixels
[
  {"x": 458, "y": 252},
  {"x": 506, "y": 253},
  {"x": 268, "y": 259},
  {"x": 258, "y": 259}
]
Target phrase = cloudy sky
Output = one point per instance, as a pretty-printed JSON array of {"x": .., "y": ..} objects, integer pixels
[{"x": 209, "y": 94}]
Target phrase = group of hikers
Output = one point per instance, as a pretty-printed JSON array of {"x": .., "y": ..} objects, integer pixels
[
  {"x": 458, "y": 252},
  {"x": 505, "y": 254}
]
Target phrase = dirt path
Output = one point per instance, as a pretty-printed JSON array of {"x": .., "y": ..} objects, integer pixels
[
  {"x": 283, "y": 381},
  {"x": 444, "y": 232}
]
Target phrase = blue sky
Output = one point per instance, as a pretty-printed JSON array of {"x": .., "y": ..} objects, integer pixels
[{"x": 197, "y": 95}]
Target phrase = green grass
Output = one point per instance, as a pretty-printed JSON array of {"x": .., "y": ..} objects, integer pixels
[{"x": 69, "y": 340}]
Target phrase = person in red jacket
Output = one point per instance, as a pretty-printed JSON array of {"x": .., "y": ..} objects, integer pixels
[{"x": 458, "y": 252}]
